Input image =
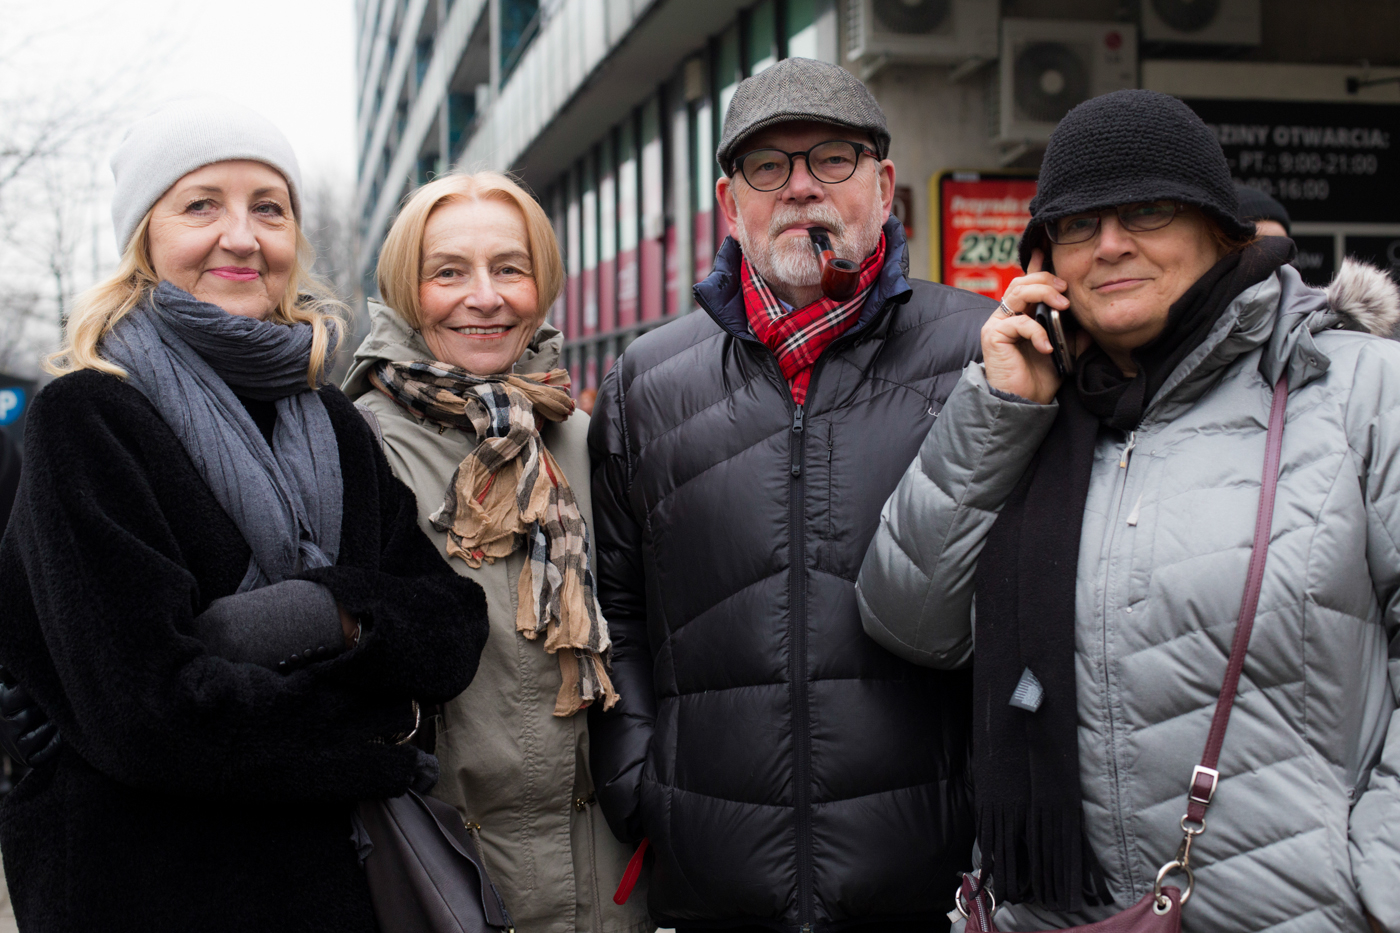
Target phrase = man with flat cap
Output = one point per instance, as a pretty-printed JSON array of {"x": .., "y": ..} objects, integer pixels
[{"x": 787, "y": 772}]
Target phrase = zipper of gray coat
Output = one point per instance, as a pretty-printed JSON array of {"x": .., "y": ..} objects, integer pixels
[{"x": 1124, "y": 459}]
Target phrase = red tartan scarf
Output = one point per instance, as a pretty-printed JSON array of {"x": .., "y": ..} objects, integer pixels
[{"x": 799, "y": 336}]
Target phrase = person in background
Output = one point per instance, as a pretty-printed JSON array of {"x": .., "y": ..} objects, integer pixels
[
  {"x": 1270, "y": 218},
  {"x": 789, "y": 774},
  {"x": 1101, "y": 527},
  {"x": 211, "y": 582},
  {"x": 587, "y": 399},
  {"x": 460, "y": 372}
]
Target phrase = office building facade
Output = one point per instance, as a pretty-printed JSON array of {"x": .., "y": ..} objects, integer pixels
[{"x": 609, "y": 110}]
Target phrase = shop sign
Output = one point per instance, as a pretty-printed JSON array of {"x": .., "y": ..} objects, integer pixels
[
  {"x": 980, "y": 220},
  {"x": 1316, "y": 259},
  {"x": 1325, "y": 162}
]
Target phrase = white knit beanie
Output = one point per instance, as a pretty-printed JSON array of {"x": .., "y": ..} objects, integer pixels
[{"x": 164, "y": 147}]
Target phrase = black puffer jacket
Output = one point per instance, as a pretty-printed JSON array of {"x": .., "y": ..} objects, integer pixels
[{"x": 788, "y": 770}]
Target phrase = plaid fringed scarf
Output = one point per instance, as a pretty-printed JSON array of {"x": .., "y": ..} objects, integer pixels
[
  {"x": 799, "y": 336},
  {"x": 509, "y": 490}
]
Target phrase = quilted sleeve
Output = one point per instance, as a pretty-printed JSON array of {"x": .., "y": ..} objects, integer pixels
[
  {"x": 621, "y": 736},
  {"x": 1373, "y": 428},
  {"x": 916, "y": 585}
]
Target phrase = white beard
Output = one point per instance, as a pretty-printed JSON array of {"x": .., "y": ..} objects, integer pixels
[{"x": 787, "y": 262}]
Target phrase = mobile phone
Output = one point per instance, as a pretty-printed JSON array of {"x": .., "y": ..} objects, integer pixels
[{"x": 1060, "y": 327}]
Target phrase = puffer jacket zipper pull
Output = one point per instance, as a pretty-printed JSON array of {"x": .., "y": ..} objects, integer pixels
[
  {"x": 797, "y": 442},
  {"x": 1128, "y": 450}
]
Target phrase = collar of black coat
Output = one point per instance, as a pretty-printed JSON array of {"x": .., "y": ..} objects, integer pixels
[{"x": 722, "y": 295}]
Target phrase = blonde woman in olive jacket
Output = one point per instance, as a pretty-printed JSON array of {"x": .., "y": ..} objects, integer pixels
[{"x": 471, "y": 267}]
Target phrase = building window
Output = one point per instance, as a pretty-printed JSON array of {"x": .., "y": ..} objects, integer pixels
[
  {"x": 555, "y": 202},
  {"x": 652, "y": 285},
  {"x": 573, "y": 224},
  {"x": 800, "y": 20},
  {"x": 590, "y": 243},
  {"x": 761, "y": 41},
  {"x": 423, "y": 56},
  {"x": 628, "y": 222},
  {"x": 702, "y": 184},
  {"x": 461, "y": 111},
  {"x": 727, "y": 73},
  {"x": 520, "y": 23},
  {"x": 607, "y": 233},
  {"x": 423, "y": 171}
]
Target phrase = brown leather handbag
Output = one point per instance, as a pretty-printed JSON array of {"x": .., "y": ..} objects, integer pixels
[{"x": 1160, "y": 910}]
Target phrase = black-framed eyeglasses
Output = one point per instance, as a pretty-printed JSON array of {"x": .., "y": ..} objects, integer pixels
[
  {"x": 831, "y": 162},
  {"x": 1136, "y": 218}
]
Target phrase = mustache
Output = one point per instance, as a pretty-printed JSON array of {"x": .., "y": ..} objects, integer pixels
[{"x": 823, "y": 215}]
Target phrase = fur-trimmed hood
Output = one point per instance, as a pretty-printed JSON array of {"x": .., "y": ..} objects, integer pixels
[
  {"x": 1366, "y": 298},
  {"x": 1360, "y": 298}
]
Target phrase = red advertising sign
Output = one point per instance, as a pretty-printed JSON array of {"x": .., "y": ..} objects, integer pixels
[{"x": 980, "y": 219}]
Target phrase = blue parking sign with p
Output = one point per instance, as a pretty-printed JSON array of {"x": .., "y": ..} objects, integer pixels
[{"x": 12, "y": 401}]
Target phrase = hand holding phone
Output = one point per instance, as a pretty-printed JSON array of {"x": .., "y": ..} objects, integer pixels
[
  {"x": 1019, "y": 353},
  {"x": 1060, "y": 328}
]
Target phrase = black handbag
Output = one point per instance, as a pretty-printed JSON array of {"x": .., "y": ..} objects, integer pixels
[{"x": 425, "y": 871}]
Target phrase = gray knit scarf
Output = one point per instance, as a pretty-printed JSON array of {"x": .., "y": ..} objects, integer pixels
[{"x": 190, "y": 358}]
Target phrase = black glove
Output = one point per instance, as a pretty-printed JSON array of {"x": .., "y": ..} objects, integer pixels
[{"x": 27, "y": 734}]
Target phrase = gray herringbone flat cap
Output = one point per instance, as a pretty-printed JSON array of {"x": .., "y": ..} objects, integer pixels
[{"x": 800, "y": 89}]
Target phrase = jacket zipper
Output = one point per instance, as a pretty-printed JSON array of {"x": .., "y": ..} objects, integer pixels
[
  {"x": 797, "y": 595},
  {"x": 1124, "y": 459},
  {"x": 797, "y": 673},
  {"x": 583, "y": 805}
]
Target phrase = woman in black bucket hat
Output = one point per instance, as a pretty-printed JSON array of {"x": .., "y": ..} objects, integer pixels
[{"x": 1092, "y": 489}]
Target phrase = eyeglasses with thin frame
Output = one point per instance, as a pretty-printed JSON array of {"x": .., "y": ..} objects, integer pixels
[
  {"x": 1136, "y": 218},
  {"x": 831, "y": 162}
]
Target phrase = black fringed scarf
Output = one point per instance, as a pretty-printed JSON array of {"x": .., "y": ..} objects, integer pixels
[{"x": 1026, "y": 764}]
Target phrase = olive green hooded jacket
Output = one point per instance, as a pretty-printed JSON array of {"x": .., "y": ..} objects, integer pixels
[{"x": 508, "y": 764}]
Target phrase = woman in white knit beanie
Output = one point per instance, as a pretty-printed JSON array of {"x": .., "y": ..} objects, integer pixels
[{"x": 211, "y": 583}]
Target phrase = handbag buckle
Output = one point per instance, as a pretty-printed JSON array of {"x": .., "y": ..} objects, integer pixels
[{"x": 1203, "y": 784}]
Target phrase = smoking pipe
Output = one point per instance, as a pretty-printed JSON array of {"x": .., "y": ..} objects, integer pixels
[{"x": 840, "y": 277}]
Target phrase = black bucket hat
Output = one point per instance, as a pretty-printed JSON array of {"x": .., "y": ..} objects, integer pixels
[{"x": 1131, "y": 146}]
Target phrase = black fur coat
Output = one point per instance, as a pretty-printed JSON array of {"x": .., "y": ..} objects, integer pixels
[{"x": 195, "y": 793}]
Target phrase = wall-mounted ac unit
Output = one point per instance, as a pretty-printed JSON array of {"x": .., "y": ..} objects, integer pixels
[
  {"x": 927, "y": 31},
  {"x": 1201, "y": 22},
  {"x": 1048, "y": 66}
]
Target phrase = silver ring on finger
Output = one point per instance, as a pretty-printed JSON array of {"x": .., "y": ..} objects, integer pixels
[{"x": 1003, "y": 311}]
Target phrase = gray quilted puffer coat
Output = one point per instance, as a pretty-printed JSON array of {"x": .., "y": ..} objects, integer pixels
[{"x": 1304, "y": 831}]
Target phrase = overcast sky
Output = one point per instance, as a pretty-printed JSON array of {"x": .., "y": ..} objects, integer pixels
[{"x": 293, "y": 60}]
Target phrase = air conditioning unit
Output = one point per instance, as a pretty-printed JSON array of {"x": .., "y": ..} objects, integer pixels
[
  {"x": 926, "y": 31},
  {"x": 1048, "y": 66},
  {"x": 1201, "y": 22}
]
